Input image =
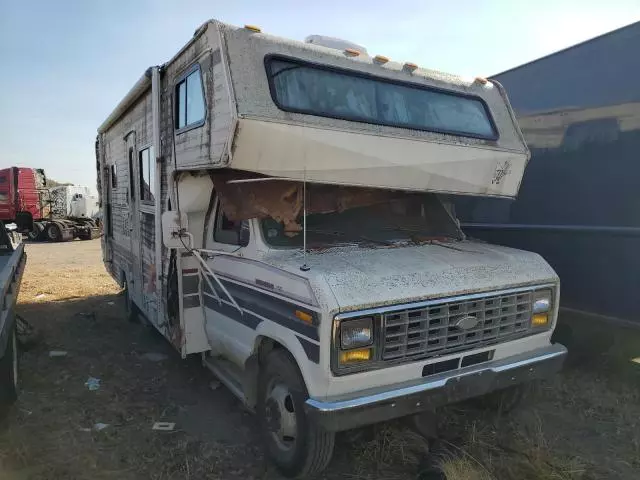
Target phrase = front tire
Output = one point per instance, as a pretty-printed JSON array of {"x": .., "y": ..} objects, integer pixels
[
  {"x": 54, "y": 234},
  {"x": 297, "y": 447},
  {"x": 9, "y": 377}
]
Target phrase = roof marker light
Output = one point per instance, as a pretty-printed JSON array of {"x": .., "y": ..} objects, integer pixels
[
  {"x": 482, "y": 80},
  {"x": 351, "y": 52},
  {"x": 253, "y": 28},
  {"x": 381, "y": 59},
  {"x": 410, "y": 66}
]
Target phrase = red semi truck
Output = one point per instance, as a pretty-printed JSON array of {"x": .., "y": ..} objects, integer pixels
[{"x": 26, "y": 201}]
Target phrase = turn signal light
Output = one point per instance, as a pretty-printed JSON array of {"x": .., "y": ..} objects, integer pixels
[
  {"x": 304, "y": 316},
  {"x": 540, "y": 320},
  {"x": 353, "y": 356}
]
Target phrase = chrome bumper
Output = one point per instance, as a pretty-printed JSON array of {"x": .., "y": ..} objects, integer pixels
[{"x": 379, "y": 404}]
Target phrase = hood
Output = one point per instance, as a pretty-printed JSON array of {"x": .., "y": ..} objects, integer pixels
[{"x": 363, "y": 277}]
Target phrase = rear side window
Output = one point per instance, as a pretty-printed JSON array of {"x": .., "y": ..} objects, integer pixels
[
  {"x": 114, "y": 176},
  {"x": 324, "y": 91},
  {"x": 190, "y": 106},
  {"x": 147, "y": 175}
]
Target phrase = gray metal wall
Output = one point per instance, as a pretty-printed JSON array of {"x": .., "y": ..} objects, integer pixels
[{"x": 579, "y": 203}]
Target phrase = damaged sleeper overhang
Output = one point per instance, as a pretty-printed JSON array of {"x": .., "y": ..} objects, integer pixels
[{"x": 282, "y": 200}]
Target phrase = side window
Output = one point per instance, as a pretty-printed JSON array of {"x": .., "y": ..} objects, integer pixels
[
  {"x": 147, "y": 175},
  {"x": 114, "y": 176},
  {"x": 190, "y": 106},
  {"x": 132, "y": 183},
  {"x": 227, "y": 231}
]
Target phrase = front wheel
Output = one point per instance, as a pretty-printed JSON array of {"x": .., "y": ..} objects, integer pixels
[
  {"x": 298, "y": 447},
  {"x": 54, "y": 234},
  {"x": 9, "y": 374}
]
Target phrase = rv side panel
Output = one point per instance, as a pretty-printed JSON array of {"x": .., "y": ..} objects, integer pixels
[
  {"x": 202, "y": 144},
  {"x": 131, "y": 237}
]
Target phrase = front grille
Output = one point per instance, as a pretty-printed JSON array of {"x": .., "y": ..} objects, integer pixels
[{"x": 432, "y": 330}]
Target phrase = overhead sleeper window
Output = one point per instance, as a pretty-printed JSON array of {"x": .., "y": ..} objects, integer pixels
[
  {"x": 325, "y": 91},
  {"x": 190, "y": 106},
  {"x": 147, "y": 175}
]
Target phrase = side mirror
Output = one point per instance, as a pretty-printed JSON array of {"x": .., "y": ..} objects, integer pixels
[
  {"x": 174, "y": 226},
  {"x": 244, "y": 234}
]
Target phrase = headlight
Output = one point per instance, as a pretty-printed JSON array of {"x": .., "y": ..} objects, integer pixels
[
  {"x": 542, "y": 306},
  {"x": 356, "y": 333}
]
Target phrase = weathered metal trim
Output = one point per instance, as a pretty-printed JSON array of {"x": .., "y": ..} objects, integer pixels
[
  {"x": 233, "y": 106},
  {"x": 426, "y": 303},
  {"x": 140, "y": 87},
  {"x": 380, "y": 404}
]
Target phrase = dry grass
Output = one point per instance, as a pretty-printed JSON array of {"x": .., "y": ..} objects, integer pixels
[
  {"x": 61, "y": 271},
  {"x": 464, "y": 468},
  {"x": 389, "y": 451},
  {"x": 583, "y": 424}
]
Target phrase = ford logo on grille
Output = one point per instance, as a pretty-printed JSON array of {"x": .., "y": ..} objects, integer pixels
[{"x": 466, "y": 322}]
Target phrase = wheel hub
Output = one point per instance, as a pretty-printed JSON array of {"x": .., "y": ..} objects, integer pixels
[{"x": 281, "y": 416}]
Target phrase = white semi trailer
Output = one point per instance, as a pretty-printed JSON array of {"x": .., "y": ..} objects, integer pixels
[{"x": 283, "y": 209}]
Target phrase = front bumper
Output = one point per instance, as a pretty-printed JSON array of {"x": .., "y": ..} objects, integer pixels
[{"x": 381, "y": 404}]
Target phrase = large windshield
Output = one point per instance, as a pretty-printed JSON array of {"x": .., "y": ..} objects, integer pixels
[
  {"x": 413, "y": 219},
  {"x": 317, "y": 90}
]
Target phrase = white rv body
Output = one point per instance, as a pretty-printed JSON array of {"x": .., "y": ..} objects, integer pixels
[{"x": 224, "y": 289}]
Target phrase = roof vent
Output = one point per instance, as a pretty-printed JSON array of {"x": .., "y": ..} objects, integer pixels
[{"x": 337, "y": 43}]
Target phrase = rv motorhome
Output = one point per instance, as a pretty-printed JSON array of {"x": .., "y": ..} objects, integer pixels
[{"x": 283, "y": 209}]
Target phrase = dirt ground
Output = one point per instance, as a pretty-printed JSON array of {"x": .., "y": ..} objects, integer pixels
[{"x": 583, "y": 424}]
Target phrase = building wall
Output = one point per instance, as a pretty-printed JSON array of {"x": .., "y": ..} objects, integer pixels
[{"x": 579, "y": 200}]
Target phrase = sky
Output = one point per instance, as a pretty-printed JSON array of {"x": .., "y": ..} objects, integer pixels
[{"x": 65, "y": 64}]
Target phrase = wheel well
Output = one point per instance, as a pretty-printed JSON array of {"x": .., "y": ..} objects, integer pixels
[{"x": 263, "y": 345}]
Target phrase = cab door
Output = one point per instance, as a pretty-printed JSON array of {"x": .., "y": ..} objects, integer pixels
[{"x": 228, "y": 328}]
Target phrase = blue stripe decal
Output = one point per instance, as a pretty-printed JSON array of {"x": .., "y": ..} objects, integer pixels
[
  {"x": 228, "y": 310},
  {"x": 275, "y": 309},
  {"x": 311, "y": 349}
]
